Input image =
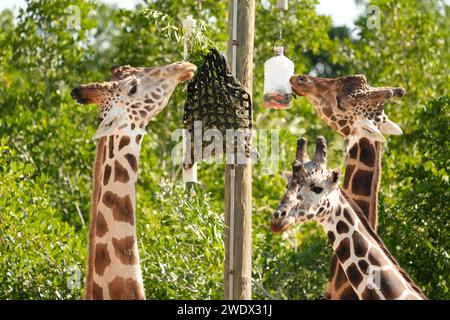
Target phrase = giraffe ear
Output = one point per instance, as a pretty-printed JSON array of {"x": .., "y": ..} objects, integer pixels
[
  {"x": 334, "y": 177},
  {"x": 115, "y": 118},
  {"x": 390, "y": 127},
  {"x": 369, "y": 130},
  {"x": 287, "y": 175}
]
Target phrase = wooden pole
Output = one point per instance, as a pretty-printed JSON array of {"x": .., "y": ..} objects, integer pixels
[{"x": 238, "y": 177}]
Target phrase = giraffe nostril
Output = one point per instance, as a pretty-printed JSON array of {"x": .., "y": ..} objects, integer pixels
[{"x": 283, "y": 213}]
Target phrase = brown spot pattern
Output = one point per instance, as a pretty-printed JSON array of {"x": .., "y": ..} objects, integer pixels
[
  {"x": 348, "y": 175},
  {"x": 353, "y": 275},
  {"x": 348, "y": 216},
  {"x": 121, "y": 207},
  {"x": 345, "y": 130},
  {"x": 342, "y": 227},
  {"x": 97, "y": 292},
  {"x": 120, "y": 173},
  {"x": 359, "y": 244},
  {"x": 327, "y": 112},
  {"x": 125, "y": 250},
  {"x": 375, "y": 258},
  {"x": 111, "y": 147},
  {"x": 362, "y": 182},
  {"x": 342, "y": 122},
  {"x": 367, "y": 153},
  {"x": 349, "y": 294},
  {"x": 390, "y": 287},
  {"x": 132, "y": 161},
  {"x": 353, "y": 153},
  {"x": 142, "y": 113},
  {"x": 343, "y": 250},
  {"x": 364, "y": 206},
  {"x": 370, "y": 294},
  {"x": 124, "y": 141},
  {"x": 341, "y": 278},
  {"x": 124, "y": 289},
  {"x": 363, "y": 265},
  {"x": 102, "y": 226},
  {"x": 102, "y": 259},
  {"x": 106, "y": 174}
]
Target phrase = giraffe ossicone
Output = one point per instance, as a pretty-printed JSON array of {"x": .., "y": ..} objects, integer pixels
[
  {"x": 313, "y": 193},
  {"x": 127, "y": 103}
]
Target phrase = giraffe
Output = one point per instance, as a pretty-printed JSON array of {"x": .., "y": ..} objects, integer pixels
[
  {"x": 313, "y": 194},
  {"x": 356, "y": 111},
  {"x": 126, "y": 104}
]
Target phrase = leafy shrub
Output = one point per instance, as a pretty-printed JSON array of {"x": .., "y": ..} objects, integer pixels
[
  {"x": 40, "y": 255},
  {"x": 181, "y": 244},
  {"x": 415, "y": 202}
]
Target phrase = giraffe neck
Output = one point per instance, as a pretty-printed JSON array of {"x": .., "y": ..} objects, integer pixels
[
  {"x": 369, "y": 267},
  {"x": 113, "y": 263},
  {"x": 361, "y": 186},
  {"x": 362, "y": 177}
]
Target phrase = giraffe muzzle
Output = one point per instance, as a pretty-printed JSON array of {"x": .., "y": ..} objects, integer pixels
[
  {"x": 281, "y": 222},
  {"x": 296, "y": 87},
  {"x": 186, "y": 71},
  {"x": 77, "y": 94}
]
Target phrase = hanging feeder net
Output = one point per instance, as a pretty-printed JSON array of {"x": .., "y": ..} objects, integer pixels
[{"x": 218, "y": 109}]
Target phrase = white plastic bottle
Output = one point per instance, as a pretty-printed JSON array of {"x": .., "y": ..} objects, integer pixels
[{"x": 277, "y": 87}]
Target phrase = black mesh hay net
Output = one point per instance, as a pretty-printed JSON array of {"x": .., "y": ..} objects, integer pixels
[{"x": 216, "y": 100}]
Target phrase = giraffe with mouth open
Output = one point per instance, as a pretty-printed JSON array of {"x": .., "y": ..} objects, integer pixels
[
  {"x": 313, "y": 194},
  {"x": 126, "y": 103}
]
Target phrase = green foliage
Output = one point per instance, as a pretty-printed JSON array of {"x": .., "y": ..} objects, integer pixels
[
  {"x": 410, "y": 49},
  {"x": 197, "y": 43},
  {"x": 39, "y": 253},
  {"x": 415, "y": 211},
  {"x": 47, "y": 152},
  {"x": 181, "y": 244}
]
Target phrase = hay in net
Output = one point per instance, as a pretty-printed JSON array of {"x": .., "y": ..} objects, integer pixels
[{"x": 216, "y": 100}]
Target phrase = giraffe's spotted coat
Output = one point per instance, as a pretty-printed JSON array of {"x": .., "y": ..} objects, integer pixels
[
  {"x": 361, "y": 258},
  {"x": 121, "y": 207},
  {"x": 340, "y": 102},
  {"x": 120, "y": 173},
  {"x": 125, "y": 109}
]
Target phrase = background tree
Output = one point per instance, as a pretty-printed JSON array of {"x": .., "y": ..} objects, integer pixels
[{"x": 46, "y": 152}]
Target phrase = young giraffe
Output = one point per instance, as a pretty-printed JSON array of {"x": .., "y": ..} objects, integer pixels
[
  {"x": 127, "y": 103},
  {"x": 313, "y": 194},
  {"x": 355, "y": 110}
]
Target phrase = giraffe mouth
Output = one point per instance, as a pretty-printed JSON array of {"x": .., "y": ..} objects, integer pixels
[
  {"x": 280, "y": 225},
  {"x": 79, "y": 94},
  {"x": 295, "y": 86}
]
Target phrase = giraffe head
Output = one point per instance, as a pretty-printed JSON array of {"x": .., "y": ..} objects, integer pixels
[
  {"x": 349, "y": 105},
  {"x": 133, "y": 96},
  {"x": 310, "y": 189}
]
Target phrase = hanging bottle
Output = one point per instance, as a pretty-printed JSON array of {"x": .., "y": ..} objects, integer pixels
[{"x": 277, "y": 87}]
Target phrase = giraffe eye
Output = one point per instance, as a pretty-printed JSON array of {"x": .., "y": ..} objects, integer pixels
[
  {"x": 133, "y": 90},
  {"x": 317, "y": 190}
]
